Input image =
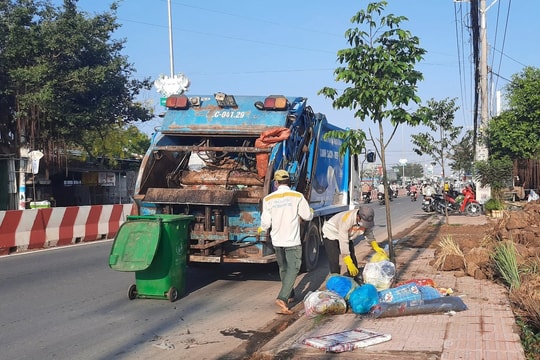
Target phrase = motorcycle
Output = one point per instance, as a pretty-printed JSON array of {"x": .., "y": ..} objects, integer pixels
[
  {"x": 428, "y": 204},
  {"x": 380, "y": 197},
  {"x": 463, "y": 204},
  {"x": 413, "y": 195},
  {"x": 366, "y": 197}
]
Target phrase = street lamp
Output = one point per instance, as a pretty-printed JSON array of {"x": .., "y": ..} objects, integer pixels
[{"x": 403, "y": 162}]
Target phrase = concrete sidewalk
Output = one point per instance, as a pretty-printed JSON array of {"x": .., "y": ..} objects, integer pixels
[{"x": 486, "y": 330}]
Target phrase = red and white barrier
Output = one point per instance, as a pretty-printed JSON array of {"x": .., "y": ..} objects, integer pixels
[{"x": 38, "y": 228}]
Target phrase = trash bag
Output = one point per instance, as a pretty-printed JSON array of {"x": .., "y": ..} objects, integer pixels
[
  {"x": 363, "y": 298},
  {"x": 533, "y": 196},
  {"x": 429, "y": 292},
  {"x": 342, "y": 285},
  {"x": 407, "y": 292},
  {"x": 380, "y": 274},
  {"x": 419, "y": 282},
  {"x": 380, "y": 254},
  {"x": 268, "y": 139},
  {"x": 416, "y": 307},
  {"x": 323, "y": 302}
]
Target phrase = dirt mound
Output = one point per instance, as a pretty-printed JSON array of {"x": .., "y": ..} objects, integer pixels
[{"x": 468, "y": 249}]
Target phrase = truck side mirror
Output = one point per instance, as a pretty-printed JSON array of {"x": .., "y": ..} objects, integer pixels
[{"x": 370, "y": 157}]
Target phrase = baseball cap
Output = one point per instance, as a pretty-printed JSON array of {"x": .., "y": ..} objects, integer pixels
[
  {"x": 366, "y": 214},
  {"x": 281, "y": 175}
]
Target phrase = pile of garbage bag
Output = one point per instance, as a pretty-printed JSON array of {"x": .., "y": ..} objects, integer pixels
[{"x": 377, "y": 297}]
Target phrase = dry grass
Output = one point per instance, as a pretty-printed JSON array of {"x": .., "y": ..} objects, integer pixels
[
  {"x": 447, "y": 246},
  {"x": 527, "y": 299}
]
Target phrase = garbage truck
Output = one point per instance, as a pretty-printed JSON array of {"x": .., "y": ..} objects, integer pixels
[{"x": 214, "y": 157}]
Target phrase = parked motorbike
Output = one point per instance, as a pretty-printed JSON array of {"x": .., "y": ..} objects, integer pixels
[
  {"x": 366, "y": 197},
  {"x": 427, "y": 204},
  {"x": 465, "y": 204}
]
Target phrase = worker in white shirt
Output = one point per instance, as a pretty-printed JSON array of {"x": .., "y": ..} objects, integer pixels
[
  {"x": 282, "y": 211},
  {"x": 339, "y": 233}
]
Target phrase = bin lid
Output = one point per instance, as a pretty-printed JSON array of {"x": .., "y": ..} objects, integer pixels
[{"x": 135, "y": 245}]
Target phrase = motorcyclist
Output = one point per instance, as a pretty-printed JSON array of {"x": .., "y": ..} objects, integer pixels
[
  {"x": 413, "y": 190},
  {"x": 366, "y": 192},
  {"x": 428, "y": 190},
  {"x": 380, "y": 189},
  {"x": 393, "y": 190}
]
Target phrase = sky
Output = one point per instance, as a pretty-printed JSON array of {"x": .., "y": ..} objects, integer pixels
[{"x": 247, "y": 47}]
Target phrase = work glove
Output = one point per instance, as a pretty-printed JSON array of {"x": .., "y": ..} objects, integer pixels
[
  {"x": 353, "y": 270},
  {"x": 380, "y": 254}
]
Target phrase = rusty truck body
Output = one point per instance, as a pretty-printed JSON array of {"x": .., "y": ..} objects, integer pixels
[{"x": 214, "y": 157}]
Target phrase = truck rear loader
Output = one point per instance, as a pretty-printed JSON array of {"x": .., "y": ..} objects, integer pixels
[{"x": 214, "y": 157}]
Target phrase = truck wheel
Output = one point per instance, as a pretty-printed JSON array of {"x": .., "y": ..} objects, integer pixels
[{"x": 310, "y": 248}]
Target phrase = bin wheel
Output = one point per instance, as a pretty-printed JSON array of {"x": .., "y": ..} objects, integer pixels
[
  {"x": 172, "y": 294},
  {"x": 132, "y": 292}
]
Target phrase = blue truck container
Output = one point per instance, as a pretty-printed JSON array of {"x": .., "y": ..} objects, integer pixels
[{"x": 214, "y": 157}]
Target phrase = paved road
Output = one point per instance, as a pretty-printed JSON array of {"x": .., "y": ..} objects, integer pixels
[{"x": 67, "y": 304}]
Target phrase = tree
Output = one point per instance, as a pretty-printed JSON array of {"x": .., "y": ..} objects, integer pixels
[
  {"x": 114, "y": 142},
  {"x": 516, "y": 132},
  {"x": 378, "y": 69},
  {"x": 410, "y": 170},
  {"x": 462, "y": 155},
  {"x": 438, "y": 116},
  {"x": 495, "y": 172},
  {"x": 19, "y": 46},
  {"x": 66, "y": 76}
]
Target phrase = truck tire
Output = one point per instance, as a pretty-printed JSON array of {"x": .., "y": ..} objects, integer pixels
[{"x": 311, "y": 248}]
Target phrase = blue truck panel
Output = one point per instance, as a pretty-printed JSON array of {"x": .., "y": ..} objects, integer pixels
[
  {"x": 208, "y": 117},
  {"x": 214, "y": 158}
]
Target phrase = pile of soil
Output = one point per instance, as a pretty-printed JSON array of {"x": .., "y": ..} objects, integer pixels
[{"x": 476, "y": 244}]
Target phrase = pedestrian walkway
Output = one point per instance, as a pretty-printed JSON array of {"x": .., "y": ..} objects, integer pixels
[{"x": 486, "y": 330}]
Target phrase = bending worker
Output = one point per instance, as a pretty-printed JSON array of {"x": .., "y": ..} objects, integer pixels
[{"x": 339, "y": 233}]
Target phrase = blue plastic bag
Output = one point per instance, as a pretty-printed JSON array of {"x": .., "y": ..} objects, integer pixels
[
  {"x": 363, "y": 298},
  {"x": 429, "y": 292},
  {"x": 342, "y": 285},
  {"x": 407, "y": 292}
]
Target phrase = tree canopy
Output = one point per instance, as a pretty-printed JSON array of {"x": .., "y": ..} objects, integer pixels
[
  {"x": 515, "y": 132},
  {"x": 438, "y": 116},
  {"x": 462, "y": 154},
  {"x": 64, "y": 79},
  {"x": 378, "y": 69}
]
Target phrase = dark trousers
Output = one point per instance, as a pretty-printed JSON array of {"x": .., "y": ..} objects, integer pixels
[
  {"x": 289, "y": 260},
  {"x": 332, "y": 253}
]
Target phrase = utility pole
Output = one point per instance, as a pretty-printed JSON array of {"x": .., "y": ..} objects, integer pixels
[
  {"x": 482, "y": 151},
  {"x": 481, "y": 154},
  {"x": 171, "y": 54}
]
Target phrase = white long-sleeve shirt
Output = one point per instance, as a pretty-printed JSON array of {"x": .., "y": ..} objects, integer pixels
[
  {"x": 340, "y": 227},
  {"x": 282, "y": 210}
]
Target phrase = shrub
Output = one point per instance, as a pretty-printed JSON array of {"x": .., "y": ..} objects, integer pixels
[{"x": 494, "y": 204}]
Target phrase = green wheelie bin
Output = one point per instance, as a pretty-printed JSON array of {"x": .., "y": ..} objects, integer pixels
[{"x": 155, "y": 247}]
